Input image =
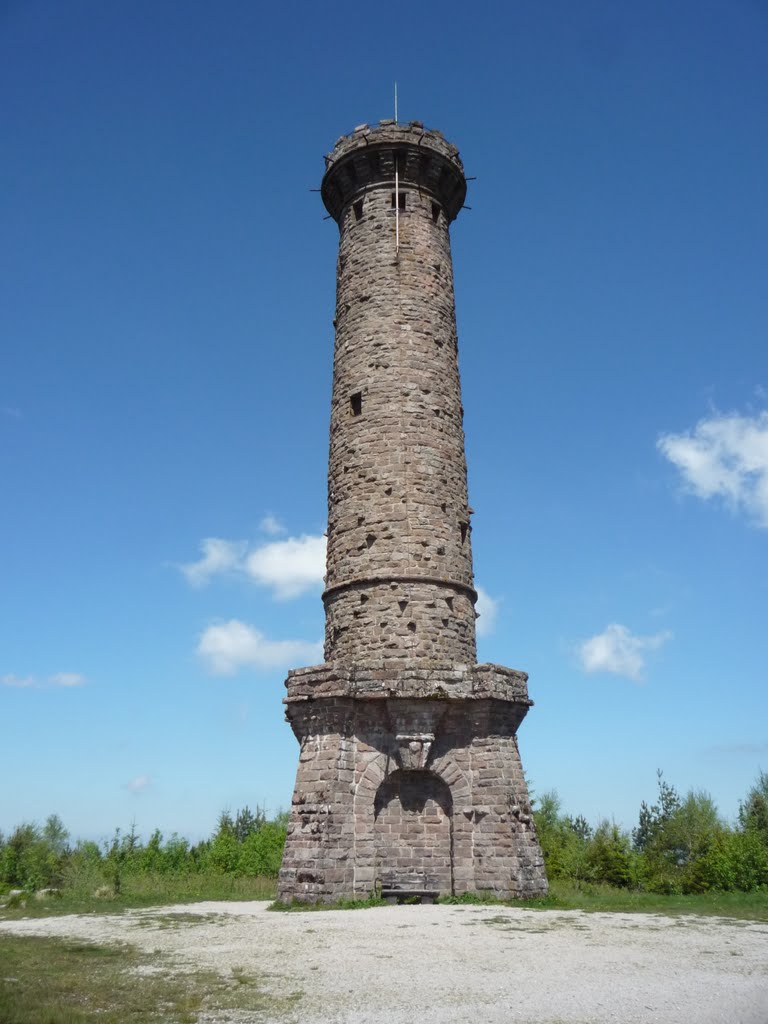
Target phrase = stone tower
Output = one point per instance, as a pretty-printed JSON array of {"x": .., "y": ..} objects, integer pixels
[{"x": 409, "y": 776}]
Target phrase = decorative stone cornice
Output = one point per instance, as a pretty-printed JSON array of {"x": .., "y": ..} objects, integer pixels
[{"x": 479, "y": 682}]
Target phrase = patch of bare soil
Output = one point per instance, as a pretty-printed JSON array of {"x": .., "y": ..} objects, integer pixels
[{"x": 451, "y": 964}]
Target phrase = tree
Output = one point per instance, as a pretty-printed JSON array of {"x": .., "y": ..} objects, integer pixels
[
  {"x": 246, "y": 822},
  {"x": 753, "y": 813},
  {"x": 609, "y": 856},
  {"x": 56, "y": 836},
  {"x": 653, "y": 820},
  {"x": 563, "y": 840}
]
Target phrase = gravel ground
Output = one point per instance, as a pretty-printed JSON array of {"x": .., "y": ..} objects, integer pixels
[{"x": 451, "y": 964}]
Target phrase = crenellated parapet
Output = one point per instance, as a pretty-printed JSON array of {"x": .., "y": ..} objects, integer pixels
[{"x": 368, "y": 158}]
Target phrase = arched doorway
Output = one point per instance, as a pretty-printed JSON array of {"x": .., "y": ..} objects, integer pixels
[{"x": 413, "y": 833}]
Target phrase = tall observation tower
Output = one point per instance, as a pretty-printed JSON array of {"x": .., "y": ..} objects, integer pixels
[{"x": 409, "y": 776}]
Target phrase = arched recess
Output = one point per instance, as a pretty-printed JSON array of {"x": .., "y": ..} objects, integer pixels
[
  {"x": 413, "y": 832},
  {"x": 381, "y": 767}
]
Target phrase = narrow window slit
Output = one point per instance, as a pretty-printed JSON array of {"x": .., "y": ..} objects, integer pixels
[
  {"x": 398, "y": 197},
  {"x": 435, "y": 213},
  {"x": 358, "y": 208},
  {"x": 464, "y": 527},
  {"x": 356, "y": 403}
]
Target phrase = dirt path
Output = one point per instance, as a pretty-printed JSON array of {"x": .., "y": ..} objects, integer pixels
[{"x": 451, "y": 964}]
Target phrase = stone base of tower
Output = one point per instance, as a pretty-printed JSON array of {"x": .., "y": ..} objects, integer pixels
[{"x": 412, "y": 783}]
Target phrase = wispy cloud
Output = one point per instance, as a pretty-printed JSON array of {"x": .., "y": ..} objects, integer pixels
[
  {"x": 618, "y": 651},
  {"x": 11, "y": 411},
  {"x": 228, "y": 647},
  {"x": 725, "y": 456},
  {"x": 66, "y": 679},
  {"x": 139, "y": 785},
  {"x": 21, "y": 681},
  {"x": 288, "y": 567},
  {"x": 487, "y": 609},
  {"x": 750, "y": 749},
  {"x": 271, "y": 526},
  {"x": 218, "y": 557}
]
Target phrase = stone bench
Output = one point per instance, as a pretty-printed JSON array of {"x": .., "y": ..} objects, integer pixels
[{"x": 394, "y": 896}]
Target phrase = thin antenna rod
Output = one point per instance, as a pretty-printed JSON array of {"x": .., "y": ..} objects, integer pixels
[{"x": 395, "y": 102}]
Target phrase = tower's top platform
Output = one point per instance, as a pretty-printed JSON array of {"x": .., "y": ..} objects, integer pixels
[{"x": 369, "y": 156}]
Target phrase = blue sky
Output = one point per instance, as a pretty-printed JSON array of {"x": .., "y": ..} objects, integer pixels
[{"x": 166, "y": 296}]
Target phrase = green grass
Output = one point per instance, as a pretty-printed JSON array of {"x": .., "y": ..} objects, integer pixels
[
  {"x": 141, "y": 891},
  {"x": 752, "y": 906},
  {"x": 747, "y": 906},
  {"x": 138, "y": 891},
  {"x": 55, "y": 981}
]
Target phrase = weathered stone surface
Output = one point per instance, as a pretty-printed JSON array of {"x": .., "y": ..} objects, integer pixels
[{"x": 409, "y": 773}]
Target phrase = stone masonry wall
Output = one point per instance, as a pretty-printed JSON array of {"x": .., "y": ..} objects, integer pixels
[
  {"x": 397, "y": 478},
  {"x": 409, "y": 772},
  {"x": 350, "y": 756}
]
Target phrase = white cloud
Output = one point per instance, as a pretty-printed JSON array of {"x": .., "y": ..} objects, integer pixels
[
  {"x": 67, "y": 679},
  {"x": 727, "y": 457},
  {"x": 21, "y": 681},
  {"x": 57, "y": 679},
  {"x": 139, "y": 784},
  {"x": 219, "y": 556},
  {"x": 230, "y": 646},
  {"x": 272, "y": 526},
  {"x": 290, "y": 567},
  {"x": 616, "y": 650},
  {"x": 487, "y": 609}
]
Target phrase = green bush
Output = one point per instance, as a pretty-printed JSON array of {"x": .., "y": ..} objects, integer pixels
[
  {"x": 680, "y": 846},
  {"x": 563, "y": 840},
  {"x": 262, "y": 852},
  {"x": 734, "y": 862},
  {"x": 34, "y": 858},
  {"x": 609, "y": 857}
]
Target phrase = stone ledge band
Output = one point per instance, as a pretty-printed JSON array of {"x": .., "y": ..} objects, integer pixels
[{"x": 376, "y": 580}]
